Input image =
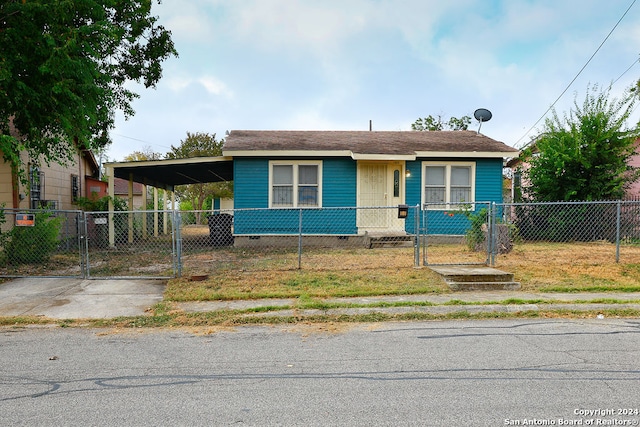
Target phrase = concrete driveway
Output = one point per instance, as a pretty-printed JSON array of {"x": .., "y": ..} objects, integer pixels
[{"x": 68, "y": 298}]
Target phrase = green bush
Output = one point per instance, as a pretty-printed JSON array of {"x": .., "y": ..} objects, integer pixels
[
  {"x": 475, "y": 234},
  {"x": 3, "y": 236},
  {"x": 33, "y": 245}
]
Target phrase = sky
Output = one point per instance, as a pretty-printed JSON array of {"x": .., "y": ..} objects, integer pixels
[{"x": 339, "y": 64}]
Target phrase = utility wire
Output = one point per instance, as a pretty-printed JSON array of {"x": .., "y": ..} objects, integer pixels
[
  {"x": 625, "y": 72},
  {"x": 579, "y": 72}
]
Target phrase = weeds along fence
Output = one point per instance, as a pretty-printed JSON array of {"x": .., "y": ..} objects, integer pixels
[
  {"x": 41, "y": 243},
  {"x": 55, "y": 243},
  {"x": 131, "y": 244},
  {"x": 294, "y": 238},
  {"x": 613, "y": 225},
  {"x": 165, "y": 244}
]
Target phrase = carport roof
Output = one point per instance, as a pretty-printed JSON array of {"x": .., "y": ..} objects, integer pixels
[{"x": 169, "y": 173}]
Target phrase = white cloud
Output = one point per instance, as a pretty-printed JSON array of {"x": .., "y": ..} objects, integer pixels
[
  {"x": 215, "y": 86},
  {"x": 211, "y": 84},
  {"x": 335, "y": 64}
]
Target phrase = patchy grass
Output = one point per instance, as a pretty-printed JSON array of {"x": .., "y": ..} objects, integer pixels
[
  {"x": 574, "y": 267},
  {"x": 228, "y": 318},
  {"x": 539, "y": 267},
  {"x": 233, "y": 285},
  {"x": 25, "y": 320}
]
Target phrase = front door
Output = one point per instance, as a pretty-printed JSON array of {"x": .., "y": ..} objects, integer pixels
[{"x": 380, "y": 185}]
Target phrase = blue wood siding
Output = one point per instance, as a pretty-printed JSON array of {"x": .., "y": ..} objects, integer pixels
[
  {"x": 251, "y": 191},
  {"x": 489, "y": 180},
  {"x": 250, "y": 183},
  {"x": 488, "y": 189},
  {"x": 339, "y": 176}
]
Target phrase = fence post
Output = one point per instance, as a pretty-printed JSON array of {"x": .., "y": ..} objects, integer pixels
[
  {"x": 83, "y": 244},
  {"x": 491, "y": 237},
  {"x": 300, "y": 238},
  {"x": 618, "y": 208},
  {"x": 177, "y": 241},
  {"x": 423, "y": 236}
]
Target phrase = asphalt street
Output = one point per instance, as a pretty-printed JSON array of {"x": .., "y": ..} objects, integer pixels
[{"x": 445, "y": 373}]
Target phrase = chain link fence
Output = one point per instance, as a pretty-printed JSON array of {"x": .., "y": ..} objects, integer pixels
[
  {"x": 165, "y": 244},
  {"x": 41, "y": 243},
  {"x": 131, "y": 244},
  {"x": 613, "y": 224},
  {"x": 456, "y": 233},
  {"x": 286, "y": 239}
]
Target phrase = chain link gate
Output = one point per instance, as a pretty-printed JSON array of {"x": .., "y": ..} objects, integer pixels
[
  {"x": 77, "y": 244},
  {"x": 41, "y": 243},
  {"x": 457, "y": 233},
  {"x": 131, "y": 244}
]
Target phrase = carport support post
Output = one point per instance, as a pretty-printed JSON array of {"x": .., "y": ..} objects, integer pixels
[
  {"x": 155, "y": 213},
  {"x": 165, "y": 216},
  {"x": 112, "y": 191},
  {"x": 144, "y": 208},
  {"x": 130, "y": 216}
]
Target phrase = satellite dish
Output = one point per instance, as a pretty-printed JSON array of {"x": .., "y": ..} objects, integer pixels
[{"x": 482, "y": 115}]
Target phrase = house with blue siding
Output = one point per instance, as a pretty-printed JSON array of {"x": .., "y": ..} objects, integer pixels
[{"x": 351, "y": 183}]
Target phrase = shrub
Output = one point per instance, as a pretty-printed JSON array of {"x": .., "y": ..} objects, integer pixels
[{"x": 33, "y": 245}]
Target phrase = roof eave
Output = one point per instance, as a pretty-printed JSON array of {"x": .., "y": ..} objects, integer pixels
[
  {"x": 468, "y": 154},
  {"x": 166, "y": 162},
  {"x": 287, "y": 153},
  {"x": 367, "y": 156}
]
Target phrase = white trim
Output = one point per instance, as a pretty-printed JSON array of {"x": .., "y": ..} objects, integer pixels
[
  {"x": 385, "y": 157},
  {"x": 468, "y": 154},
  {"x": 287, "y": 153},
  {"x": 447, "y": 165},
  {"x": 370, "y": 156},
  {"x": 295, "y": 164},
  {"x": 167, "y": 162}
]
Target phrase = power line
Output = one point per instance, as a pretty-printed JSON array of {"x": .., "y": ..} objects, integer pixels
[
  {"x": 625, "y": 72},
  {"x": 140, "y": 140},
  {"x": 579, "y": 72}
]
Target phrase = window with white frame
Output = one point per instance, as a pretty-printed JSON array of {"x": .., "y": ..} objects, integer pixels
[
  {"x": 448, "y": 183},
  {"x": 295, "y": 184}
]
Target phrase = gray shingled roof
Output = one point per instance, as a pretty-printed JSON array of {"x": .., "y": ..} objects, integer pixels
[{"x": 364, "y": 142}]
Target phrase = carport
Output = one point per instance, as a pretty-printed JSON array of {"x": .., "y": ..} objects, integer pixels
[{"x": 164, "y": 175}]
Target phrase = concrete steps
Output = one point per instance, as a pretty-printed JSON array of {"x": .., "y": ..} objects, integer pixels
[
  {"x": 389, "y": 241},
  {"x": 476, "y": 278}
]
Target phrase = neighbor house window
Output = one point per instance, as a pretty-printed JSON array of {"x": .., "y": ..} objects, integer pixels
[
  {"x": 75, "y": 188},
  {"x": 295, "y": 184},
  {"x": 36, "y": 181},
  {"x": 448, "y": 183}
]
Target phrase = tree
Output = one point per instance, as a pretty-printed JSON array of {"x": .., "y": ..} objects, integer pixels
[
  {"x": 146, "y": 153},
  {"x": 200, "y": 145},
  {"x": 197, "y": 144},
  {"x": 584, "y": 155},
  {"x": 431, "y": 123},
  {"x": 64, "y": 68}
]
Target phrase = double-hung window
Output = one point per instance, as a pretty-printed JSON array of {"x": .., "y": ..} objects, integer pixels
[
  {"x": 295, "y": 184},
  {"x": 75, "y": 188},
  {"x": 36, "y": 178},
  {"x": 448, "y": 183}
]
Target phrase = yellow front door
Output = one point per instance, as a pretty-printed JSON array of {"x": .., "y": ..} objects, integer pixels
[{"x": 380, "y": 185}]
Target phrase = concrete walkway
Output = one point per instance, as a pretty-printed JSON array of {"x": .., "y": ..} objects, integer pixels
[
  {"x": 473, "y": 302},
  {"x": 93, "y": 299},
  {"x": 68, "y": 298}
]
